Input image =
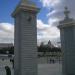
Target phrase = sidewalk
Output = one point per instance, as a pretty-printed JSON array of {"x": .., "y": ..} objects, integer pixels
[{"x": 43, "y": 69}]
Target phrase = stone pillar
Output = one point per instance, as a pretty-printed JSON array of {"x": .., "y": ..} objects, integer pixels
[
  {"x": 25, "y": 43},
  {"x": 67, "y": 32}
]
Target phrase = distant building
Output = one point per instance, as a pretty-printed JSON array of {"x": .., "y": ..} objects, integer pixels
[
  {"x": 50, "y": 44},
  {"x": 6, "y": 51},
  {"x": 5, "y": 45}
]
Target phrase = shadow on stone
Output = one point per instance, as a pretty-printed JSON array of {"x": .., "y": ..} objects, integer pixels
[{"x": 8, "y": 71}]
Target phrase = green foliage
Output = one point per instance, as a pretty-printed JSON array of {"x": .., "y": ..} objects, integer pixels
[
  {"x": 48, "y": 49},
  {"x": 9, "y": 49}
]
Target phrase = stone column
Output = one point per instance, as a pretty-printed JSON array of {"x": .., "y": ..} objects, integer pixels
[
  {"x": 25, "y": 43},
  {"x": 67, "y": 32}
]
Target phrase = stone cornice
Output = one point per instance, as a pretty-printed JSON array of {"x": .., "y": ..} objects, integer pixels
[
  {"x": 69, "y": 24},
  {"x": 25, "y": 7}
]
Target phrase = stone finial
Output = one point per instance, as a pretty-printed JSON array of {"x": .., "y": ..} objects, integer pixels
[
  {"x": 24, "y": 1},
  {"x": 66, "y": 12},
  {"x": 28, "y": 2}
]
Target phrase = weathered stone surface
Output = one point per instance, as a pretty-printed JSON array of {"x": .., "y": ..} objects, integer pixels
[
  {"x": 67, "y": 32},
  {"x": 25, "y": 40}
]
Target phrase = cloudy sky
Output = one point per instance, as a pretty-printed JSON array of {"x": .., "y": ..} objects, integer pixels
[{"x": 48, "y": 18}]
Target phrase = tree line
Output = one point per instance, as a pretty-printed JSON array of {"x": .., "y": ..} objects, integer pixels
[
  {"x": 48, "y": 49},
  {"x": 41, "y": 48},
  {"x": 7, "y": 50}
]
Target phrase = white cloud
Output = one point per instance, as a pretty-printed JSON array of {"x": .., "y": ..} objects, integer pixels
[
  {"x": 6, "y": 33},
  {"x": 41, "y": 25},
  {"x": 53, "y": 21},
  {"x": 51, "y": 32},
  {"x": 58, "y": 13},
  {"x": 58, "y": 6},
  {"x": 49, "y": 3},
  {"x": 46, "y": 32}
]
